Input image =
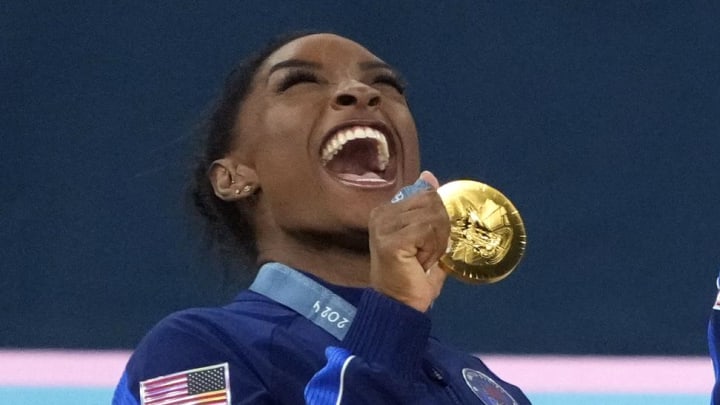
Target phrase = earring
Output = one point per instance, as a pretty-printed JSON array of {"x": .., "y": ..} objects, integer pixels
[{"x": 248, "y": 188}]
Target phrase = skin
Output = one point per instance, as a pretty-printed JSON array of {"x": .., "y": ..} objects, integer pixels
[{"x": 347, "y": 234}]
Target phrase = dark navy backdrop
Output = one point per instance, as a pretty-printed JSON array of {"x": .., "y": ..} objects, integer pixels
[{"x": 600, "y": 120}]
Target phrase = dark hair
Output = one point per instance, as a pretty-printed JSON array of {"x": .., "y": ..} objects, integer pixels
[{"x": 228, "y": 225}]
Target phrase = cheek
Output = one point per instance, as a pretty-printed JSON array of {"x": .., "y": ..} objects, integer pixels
[
  {"x": 289, "y": 191},
  {"x": 284, "y": 170},
  {"x": 285, "y": 166},
  {"x": 413, "y": 167},
  {"x": 294, "y": 113},
  {"x": 284, "y": 135},
  {"x": 284, "y": 125},
  {"x": 411, "y": 149}
]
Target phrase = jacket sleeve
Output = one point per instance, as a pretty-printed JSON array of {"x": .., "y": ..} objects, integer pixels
[
  {"x": 176, "y": 345},
  {"x": 377, "y": 360}
]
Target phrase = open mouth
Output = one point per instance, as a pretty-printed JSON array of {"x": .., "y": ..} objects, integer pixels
[{"x": 360, "y": 155}]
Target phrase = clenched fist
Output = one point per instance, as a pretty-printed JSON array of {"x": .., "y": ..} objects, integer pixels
[{"x": 407, "y": 239}]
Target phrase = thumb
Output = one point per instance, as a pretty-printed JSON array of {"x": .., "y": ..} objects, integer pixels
[{"x": 430, "y": 179}]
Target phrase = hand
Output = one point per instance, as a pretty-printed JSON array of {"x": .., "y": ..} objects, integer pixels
[{"x": 406, "y": 241}]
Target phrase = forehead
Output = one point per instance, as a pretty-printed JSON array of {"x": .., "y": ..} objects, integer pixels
[{"x": 325, "y": 49}]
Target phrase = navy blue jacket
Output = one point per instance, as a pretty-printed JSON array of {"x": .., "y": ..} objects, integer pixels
[{"x": 277, "y": 356}]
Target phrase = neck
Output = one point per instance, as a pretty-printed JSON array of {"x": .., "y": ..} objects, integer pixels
[{"x": 345, "y": 264}]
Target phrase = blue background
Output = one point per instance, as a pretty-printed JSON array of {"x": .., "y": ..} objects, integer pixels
[{"x": 600, "y": 120}]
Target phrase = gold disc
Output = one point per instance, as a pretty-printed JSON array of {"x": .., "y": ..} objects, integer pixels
[{"x": 487, "y": 234}]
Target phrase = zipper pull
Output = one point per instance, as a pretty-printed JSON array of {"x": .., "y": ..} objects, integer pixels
[{"x": 434, "y": 374}]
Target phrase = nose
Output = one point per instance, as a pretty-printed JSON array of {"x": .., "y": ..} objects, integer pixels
[{"x": 355, "y": 94}]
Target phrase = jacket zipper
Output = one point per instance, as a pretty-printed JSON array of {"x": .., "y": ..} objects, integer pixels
[{"x": 437, "y": 376}]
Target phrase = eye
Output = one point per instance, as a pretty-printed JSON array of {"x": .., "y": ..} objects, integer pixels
[
  {"x": 391, "y": 80},
  {"x": 296, "y": 77}
]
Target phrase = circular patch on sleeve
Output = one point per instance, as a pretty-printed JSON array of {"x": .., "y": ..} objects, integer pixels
[{"x": 485, "y": 388}]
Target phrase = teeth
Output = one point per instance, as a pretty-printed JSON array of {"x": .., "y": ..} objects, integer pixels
[{"x": 335, "y": 145}]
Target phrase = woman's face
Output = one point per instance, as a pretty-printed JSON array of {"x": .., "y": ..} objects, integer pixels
[{"x": 328, "y": 132}]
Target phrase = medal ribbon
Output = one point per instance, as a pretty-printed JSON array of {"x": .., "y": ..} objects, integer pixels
[{"x": 305, "y": 296}]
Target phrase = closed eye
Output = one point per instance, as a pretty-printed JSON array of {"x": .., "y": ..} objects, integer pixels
[
  {"x": 294, "y": 77},
  {"x": 391, "y": 80}
]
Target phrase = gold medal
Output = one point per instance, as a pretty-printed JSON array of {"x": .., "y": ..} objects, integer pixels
[{"x": 487, "y": 234}]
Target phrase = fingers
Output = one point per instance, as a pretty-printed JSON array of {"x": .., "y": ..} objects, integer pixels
[
  {"x": 418, "y": 241},
  {"x": 418, "y": 226}
]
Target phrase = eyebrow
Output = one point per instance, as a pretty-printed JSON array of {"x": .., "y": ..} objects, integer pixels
[
  {"x": 300, "y": 63},
  {"x": 375, "y": 64},
  {"x": 294, "y": 63}
]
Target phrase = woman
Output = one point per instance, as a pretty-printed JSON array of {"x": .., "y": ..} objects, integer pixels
[{"x": 308, "y": 146}]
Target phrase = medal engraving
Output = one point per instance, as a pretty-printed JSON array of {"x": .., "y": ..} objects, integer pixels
[{"x": 487, "y": 234}]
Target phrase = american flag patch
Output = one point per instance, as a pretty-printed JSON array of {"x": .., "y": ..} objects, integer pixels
[{"x": 207, "y": 386}]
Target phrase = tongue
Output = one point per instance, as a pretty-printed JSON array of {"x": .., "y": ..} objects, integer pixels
[{"x": 367, "y": 177}]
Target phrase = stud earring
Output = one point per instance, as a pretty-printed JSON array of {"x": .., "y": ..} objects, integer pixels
[{"x": 247, "y": 189}]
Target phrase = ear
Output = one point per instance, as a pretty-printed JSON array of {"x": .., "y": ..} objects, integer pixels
[{"x": 232, "y": 181}]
